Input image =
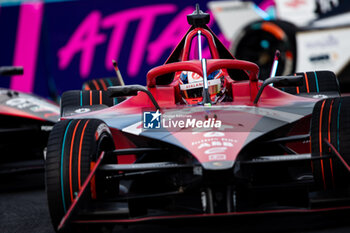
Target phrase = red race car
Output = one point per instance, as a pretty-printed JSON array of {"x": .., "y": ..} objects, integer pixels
[
  {"x": 205, "y": 138},
  {"x": 26, "y": 121}
]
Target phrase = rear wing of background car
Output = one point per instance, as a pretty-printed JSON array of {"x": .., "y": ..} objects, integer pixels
[{"x": 11, "y": 70}]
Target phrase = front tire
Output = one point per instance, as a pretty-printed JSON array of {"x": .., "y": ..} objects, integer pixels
[
  {"x": 73, "y": 147},
  {"x": 331, "y": 121}
]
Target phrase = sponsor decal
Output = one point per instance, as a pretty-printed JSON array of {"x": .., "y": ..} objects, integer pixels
[
  {"x": 217, "y": 157},
  {"x": 215, "y": 150},
  {"x": 34, "y": 105},
  {"x": 100, "y": 129},
  {"x": 82, "y": 110},
  {"x": 199, "y": 84},
  {"x": 191, "y": 86},
  {"x": 328, "y": 41},
  {"x": 295, "y": 3},
  {"x": 194, "y": 77},
  {"x": 46, "y": 128},
  {"x": 320, "y": 96},
  {"x": 215, "y": 145},
  {"x": 319, "y": 58},
  {"x": 214, "y": 134}
]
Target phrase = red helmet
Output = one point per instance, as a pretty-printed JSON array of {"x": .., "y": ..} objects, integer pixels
[{"x": 191, "y": 86}]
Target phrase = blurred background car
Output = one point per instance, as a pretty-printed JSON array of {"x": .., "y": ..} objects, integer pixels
[{"x": 311, "y": 35}]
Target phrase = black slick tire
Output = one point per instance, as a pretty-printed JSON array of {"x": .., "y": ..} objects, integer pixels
[
  {"x": 331, "y": 122},
  {"x": 73, "y": 147}
]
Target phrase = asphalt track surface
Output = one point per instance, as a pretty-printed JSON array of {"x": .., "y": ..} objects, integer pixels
[{"x": 23, "y": 208}]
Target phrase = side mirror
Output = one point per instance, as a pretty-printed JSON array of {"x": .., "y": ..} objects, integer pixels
[
  {"x": 280, "y": 81},
  {"x": 131, "y": 90},
  {"x": 11, "y": 70},
  {"x": 127, "y": 90},
  {"x": 287, "y": 81}
]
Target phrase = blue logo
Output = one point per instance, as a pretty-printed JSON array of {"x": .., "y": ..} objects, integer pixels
[{"x": 151, "y": 120}]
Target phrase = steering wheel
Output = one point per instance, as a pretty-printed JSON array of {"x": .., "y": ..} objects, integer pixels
[{"x": 196, "y": 66}]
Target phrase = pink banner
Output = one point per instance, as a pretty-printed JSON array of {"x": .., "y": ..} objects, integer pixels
[{"x": 27, "y": 45}]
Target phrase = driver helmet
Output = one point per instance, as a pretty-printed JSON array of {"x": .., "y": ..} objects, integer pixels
[{"x": 191, "y": 86}]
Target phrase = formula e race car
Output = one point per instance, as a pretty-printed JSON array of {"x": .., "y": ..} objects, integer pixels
[
  {"x": 26, "y": 121},
  {"x": 205, "y": 138}
]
